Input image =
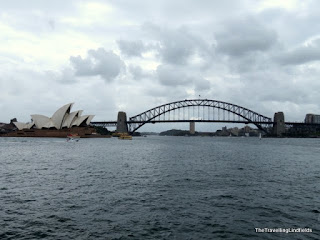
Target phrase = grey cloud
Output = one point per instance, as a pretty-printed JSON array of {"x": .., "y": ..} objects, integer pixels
[
  {"x": 251, "y": 62},
  {"x": 99, "y": 62},
  {"x": 29, "y": 22},
  {"x": 38, "y": 4},
  {"x": 256, "y": 55},
  {"x": 138, "y": 73},
  {"x": 243, "y": 36},
  {"x": 65, "y": 76},
  {"x": 172, "y": 76},
  {"x": 131, "y": 48},
  {"x": 52, "y": 24},
  {"x": 202, "y": 84},
  {"x": 176, "y": 46},
  {"x": 302, "y": 54},
  {"x": 277, "y": 85},
  {"x": 166, "y": 94},
  {"x": 35, "y": 16},
  {"x": 179, "y": 11}
]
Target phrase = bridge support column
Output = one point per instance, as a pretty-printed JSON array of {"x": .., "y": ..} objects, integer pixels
[
  {"x": 192, "y": 128},
  {"x": 279, "y": 126},
  {"x": 122, "y": 126}
]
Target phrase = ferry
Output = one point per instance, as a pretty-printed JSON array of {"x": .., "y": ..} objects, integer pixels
[{"x": 125, "y": 136}]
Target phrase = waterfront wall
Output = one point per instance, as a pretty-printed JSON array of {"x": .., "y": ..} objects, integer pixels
[{"x": 60, "y": 133}]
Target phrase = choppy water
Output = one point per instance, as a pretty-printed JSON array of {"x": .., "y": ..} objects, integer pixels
[{"x": 159, "y": 188}]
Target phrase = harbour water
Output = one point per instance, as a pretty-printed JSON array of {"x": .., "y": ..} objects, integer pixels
[{"x": 159, "y": 188}]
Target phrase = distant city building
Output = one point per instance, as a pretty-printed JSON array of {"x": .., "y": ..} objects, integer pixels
[
  {"x": 247, "y": 129},
  {"x": 62, "y": 118},
  {"x": 312, "y": 118},
  {"x": 7, "y": 127},
  {"x": 234, "y": 131}
]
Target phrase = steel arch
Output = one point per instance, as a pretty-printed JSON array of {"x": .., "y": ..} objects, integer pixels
[{"x": 139, "y": 120}]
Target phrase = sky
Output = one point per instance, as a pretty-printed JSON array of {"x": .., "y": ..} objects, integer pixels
[{"x": 122, "y": 55}]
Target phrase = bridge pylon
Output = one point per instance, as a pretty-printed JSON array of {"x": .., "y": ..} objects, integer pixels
[
  {"x": 122, "y": 126},
  {"x": 192, "y": 128},
  {"x": 279, "y": 124}
]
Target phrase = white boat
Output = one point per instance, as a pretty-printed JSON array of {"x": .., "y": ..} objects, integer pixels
[{"x": 73, "y": 137}]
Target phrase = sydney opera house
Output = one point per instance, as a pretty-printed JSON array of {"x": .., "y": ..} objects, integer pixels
[{"x": 62, "y": 122}]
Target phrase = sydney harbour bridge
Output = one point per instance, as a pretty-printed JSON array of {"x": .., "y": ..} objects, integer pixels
[{"x": 198, "y": 110}]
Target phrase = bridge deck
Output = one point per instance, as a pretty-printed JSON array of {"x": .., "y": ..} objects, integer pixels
[{"x": 216, "y": 121}]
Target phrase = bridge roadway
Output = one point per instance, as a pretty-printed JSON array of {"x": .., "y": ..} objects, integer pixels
[
  {"x": 111, "y": 123},
  {"x": 114, "y": 123}
]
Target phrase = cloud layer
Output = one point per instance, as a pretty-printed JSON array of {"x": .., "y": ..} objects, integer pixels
[
  {"x": 99, "y": 62},
  {"x": 133, "y": 55}
]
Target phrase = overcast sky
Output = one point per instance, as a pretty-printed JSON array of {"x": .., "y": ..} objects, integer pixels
[{"x": 132, "y": 55}]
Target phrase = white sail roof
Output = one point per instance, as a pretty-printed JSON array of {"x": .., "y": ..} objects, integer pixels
[
  {"x": 20, "y": 125},
  {"x": 58, "y": 117},
  {"x": 80, "y": 120},
  {"x": 89, "y": 119},
  {"x": 78, "y": 114},
  {"x": 29, "y": 125},
  {"x": 61, "y": 118},
  {"x": 42, "y": 121},
  {"x": 69, "y": 119}
]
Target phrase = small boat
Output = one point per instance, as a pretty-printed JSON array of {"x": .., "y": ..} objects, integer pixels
[
  {"x": 73, "y": 136},
  {"x": 260, "y": 136}
]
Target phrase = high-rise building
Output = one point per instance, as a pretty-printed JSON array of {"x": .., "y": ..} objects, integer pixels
[{"x": 312, "y": 118}]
